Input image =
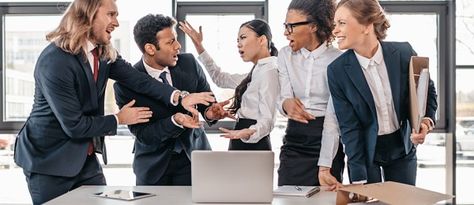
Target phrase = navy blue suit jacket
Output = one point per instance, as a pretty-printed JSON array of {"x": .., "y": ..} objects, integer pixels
[
  {"x": 355, "y": 107},
  {"x": 68, "y": 110},
  {"x": 155, "y": 140}
]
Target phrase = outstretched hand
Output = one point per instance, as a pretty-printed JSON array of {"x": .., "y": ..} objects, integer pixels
[
  {"x": 129, "y": 115},
  {"x": 237, "y": 134},
  {"x": 189, "y": 102},
  {"x": 195, "y": 36},
  {"x": 216, "y": 111},
  {"x": 186, "y": 120}
]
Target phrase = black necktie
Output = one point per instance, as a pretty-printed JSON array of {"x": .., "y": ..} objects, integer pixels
[
  {"x": 163, "y": 78},
  {"x": 177, "y": 144}
]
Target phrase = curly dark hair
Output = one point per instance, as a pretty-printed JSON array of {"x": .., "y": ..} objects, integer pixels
[
  {"x": 321, "y": 12},
  {"x": 148, "y": 26}
]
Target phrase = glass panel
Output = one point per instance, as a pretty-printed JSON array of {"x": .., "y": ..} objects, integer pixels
[
  {"x": 465, "y": 32},
  {"x": 24, "y": 41},
  {"x": 423, "y": 37},
  {"x": 220, "y": 40},
  {"x": 464, "y": 135}
]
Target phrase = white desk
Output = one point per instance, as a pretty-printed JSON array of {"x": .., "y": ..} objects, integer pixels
[{"x": 171, "y": 195}]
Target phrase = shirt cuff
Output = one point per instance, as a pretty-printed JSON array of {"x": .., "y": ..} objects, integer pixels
[
  {"x": 253, "y": 138},
  {"x": 432, "y": 124},
  {"x": 282, "y": 111},
  {"x": 324, "y": 162},
  {"x": 172, "y": 97},
  {"x": 175, "y": 123},
  {"x": 360, "y": 182},
  {"x": 116, "y": 119}
]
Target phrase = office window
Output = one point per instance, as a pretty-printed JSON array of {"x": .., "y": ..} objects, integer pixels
[
  {"x": 24, "y": 41},
  {"x": 464, "y": 32},
  {"x": 24, "y": 26},
  {"x": 423, "y": 37},
  {"x": 464, "y": 143},
  {"x": 464, "y": 135}
]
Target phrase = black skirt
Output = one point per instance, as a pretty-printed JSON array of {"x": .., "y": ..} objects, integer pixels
[{"x": 237, "y": 144}]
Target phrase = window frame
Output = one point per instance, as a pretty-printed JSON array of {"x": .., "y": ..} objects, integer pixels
[
  {"x": 440, "y": 8},
  {"x": 20, "y": 8},
  {"x": 446, "y": 74}
]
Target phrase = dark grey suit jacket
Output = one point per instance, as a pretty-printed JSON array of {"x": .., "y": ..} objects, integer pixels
[
  {"x": 68, "y": 110},
  {"x": 155, "y": 140},
  {"x": 355, "y": 107}
]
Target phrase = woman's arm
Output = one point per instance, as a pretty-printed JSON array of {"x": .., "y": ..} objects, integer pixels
[{"x": 221, "y": 79}]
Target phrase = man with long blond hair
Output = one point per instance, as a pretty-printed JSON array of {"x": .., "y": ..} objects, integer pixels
[{"x": 56, "y": 147}]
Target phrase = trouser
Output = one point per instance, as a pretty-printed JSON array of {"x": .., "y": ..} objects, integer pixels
[
  {"x": 237, "y": 144},
  {"x": 178, "y": 172},
  {"x": 391, "y": 163},
  {"x": 300, "y": 154},
  {"x": 44, "y": 187}
]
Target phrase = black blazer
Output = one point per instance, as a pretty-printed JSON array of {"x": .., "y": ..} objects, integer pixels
[
  {"x": 155, "y": 140},
  {"x": 68, "y": 110},
  {"x": 355, "y": 107}
]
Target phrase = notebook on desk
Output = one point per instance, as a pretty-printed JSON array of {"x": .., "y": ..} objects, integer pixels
[{"x": 232, "y": 176}]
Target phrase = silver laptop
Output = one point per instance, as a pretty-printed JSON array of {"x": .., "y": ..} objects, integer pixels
[{"x": 232, "y": 176}]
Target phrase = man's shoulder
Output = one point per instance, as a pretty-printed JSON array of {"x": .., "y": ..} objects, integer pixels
[
  {"x": 52, "y": 57},
  {"x": 186, "y": 58},
  {"x": 54, "y": 52}
]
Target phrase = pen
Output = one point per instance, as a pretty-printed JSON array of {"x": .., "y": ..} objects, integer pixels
[{"x": 298, "y": 188}]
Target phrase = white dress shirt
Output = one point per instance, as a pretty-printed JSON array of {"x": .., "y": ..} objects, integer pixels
[
  {"x": 303, "y": 75},
  {"x": 90, "y": 56},
  {"x": 375, "y": 72},
  {"x": 258, "y": 101},
  {"x": 155, "y": 73}
]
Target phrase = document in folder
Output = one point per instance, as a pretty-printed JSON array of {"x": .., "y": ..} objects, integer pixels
[{"x": 419, "y": 78}]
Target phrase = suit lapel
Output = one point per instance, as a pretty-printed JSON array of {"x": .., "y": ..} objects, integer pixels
[
  {"x": 177, "y": 77},
  {"x": 354, "y": 71},
  {"x": 392, "y": 62},
  {"x": 102, "y": 78},
  {"x": 90, "y": 79},
  {"x": 141, "y": 67}
]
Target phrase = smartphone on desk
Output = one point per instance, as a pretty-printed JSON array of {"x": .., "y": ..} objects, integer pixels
[{"x": 125, "y": 195}]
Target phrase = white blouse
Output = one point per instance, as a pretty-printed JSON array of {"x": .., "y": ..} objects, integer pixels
[
  {"x": 259, "y": 100},
  {"x": 303, "y": 75}
]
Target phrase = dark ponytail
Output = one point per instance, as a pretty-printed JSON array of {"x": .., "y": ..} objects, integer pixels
[
  {"x": 273, "y": 49},
  {"x": 239, "y": 91}
]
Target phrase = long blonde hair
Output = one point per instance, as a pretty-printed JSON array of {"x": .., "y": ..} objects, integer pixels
[{"x": 75, "y": 29}]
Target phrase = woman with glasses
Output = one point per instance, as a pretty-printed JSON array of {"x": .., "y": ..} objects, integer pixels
[
  {"x": 369, "y": 86},
  {"x": 255, "y": 92},
  {"x": 305, "y": 98}
]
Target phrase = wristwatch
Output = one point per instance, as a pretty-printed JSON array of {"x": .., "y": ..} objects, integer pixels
[{"x": 182, "y": 94}]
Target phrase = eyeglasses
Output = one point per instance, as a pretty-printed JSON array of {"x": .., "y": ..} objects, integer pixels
[{"x": 290, "y": 26}]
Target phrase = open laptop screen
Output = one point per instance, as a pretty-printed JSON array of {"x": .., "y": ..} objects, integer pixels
[{"x": 232, "y": 176}]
